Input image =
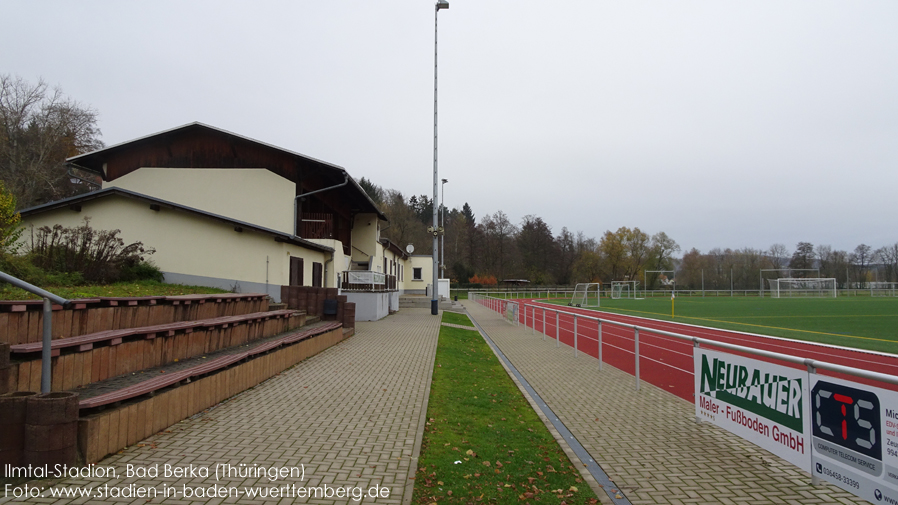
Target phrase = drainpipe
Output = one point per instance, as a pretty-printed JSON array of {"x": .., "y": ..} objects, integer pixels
[
  {"x": 325, "y": 268},
  {"x": 296, "y": 200}
]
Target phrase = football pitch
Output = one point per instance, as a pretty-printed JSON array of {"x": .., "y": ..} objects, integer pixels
[{"x": 856, "y": 322}]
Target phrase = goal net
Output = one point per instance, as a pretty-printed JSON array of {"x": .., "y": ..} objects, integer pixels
[
  {"x": 883, "y": 289},
  {"x": 789, "y": 287},
  {"x": 772, "y": 274},
  {"x": 625, "y": 290},
  {"x": 511, "y": 312},
  {"x": 586, "y": 295}
]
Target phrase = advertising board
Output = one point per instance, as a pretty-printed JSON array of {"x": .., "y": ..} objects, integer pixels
[
  {"x": 854, "y": 433},
  {"x": 764, "y": 403}
]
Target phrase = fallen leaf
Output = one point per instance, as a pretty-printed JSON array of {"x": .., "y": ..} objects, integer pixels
[{"x": 573, "y": 489}]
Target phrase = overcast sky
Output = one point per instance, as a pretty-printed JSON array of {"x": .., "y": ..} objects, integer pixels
[{"x": 723, "y": 124}]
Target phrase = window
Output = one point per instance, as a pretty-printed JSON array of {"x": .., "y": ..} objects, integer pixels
[{"x": 416, "y": 274}]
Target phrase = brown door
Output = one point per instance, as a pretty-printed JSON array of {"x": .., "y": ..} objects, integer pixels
[
  {"x": 317, "y": 274},
  {"x": 296, "y": 267}
]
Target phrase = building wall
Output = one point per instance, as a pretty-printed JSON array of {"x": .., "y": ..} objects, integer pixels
[
  {"x": 410, "y": 285},
  {"x": 189, "y": 246},
  {"x": 252, "y": 195},
  {"x": 365, "y": 233}
]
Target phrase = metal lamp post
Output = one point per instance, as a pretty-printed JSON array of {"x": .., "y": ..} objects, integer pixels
[
  {"x": 443, "y": 226},
  {"x": 434, "y": 301}
]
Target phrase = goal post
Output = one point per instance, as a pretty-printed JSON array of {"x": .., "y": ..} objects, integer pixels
[
  {"x": 625, "y": 290},
  {"x": 810, "y": 287},
  {"x": 768, "y": 274},
  {"x": 586, "y": 294}
]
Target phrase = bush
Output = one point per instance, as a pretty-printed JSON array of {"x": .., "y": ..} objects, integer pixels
[
  {"x": 143, "y": 271},
  {"x": 10, "y": 229},
  {"x": 98, "y": 256}
]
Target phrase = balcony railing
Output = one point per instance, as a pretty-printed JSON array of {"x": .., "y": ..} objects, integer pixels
[{"x": 366, "y": 280}]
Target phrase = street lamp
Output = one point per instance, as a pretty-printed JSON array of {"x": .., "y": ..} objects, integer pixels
[
  {"x": 443, "y": 226},
  {"x": 434, "y": 301}
]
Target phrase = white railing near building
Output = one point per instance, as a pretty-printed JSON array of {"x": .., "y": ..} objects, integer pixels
[{"x": 367, "y": 280}]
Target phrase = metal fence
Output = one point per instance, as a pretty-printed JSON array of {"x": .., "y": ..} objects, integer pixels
[{"x": 536, "y": 317}]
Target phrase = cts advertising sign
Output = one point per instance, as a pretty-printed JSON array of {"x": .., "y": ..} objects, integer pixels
[
  {"x": 855, "y": 437},
  {"x": 761, "y": 402}
]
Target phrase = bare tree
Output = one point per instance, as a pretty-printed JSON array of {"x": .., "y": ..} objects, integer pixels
[
  {"x": 888, "y": 257},
  {"x": 861, "y": 259},
  {"x": 39, "y": 129},
  {"x": 779, "y": 255}
]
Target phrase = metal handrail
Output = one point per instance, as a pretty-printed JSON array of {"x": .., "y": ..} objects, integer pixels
[
  {"x": 808, "y": 362},
  {"x": 48, "y": 324}
]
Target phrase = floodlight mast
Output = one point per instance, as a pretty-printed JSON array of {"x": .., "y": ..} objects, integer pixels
[{"x": 434, "y": 301}]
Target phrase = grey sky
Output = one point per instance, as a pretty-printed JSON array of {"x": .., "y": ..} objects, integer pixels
[{"x": 723, "y": 124}]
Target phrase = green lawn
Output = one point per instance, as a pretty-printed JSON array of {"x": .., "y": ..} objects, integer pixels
[
  {"x": 123, "y": 289},
  {"x": 483, "y": 443},
  {"x": 859, "y": 322}
]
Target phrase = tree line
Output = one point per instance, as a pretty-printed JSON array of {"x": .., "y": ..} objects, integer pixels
[
  {"x": 40, "y": 127},
  {"x": 494, "y": 247}
]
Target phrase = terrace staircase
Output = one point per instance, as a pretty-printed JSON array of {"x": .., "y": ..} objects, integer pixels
[
  {"x": 139, "y": 365},
  {"x": 423, "y": 302}
]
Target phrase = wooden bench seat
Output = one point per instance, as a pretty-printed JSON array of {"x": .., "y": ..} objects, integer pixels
[
  {"x": 114, "y": 337},
  {"x": 162, "y": 381}
]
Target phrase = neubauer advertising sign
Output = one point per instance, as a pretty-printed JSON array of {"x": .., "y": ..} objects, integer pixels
[{"x": 761, "y": 402}]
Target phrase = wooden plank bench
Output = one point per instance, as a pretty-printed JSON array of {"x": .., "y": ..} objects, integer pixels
[
  {"x": 114, "y": 337},
  {"x": 162, "y": 381}
]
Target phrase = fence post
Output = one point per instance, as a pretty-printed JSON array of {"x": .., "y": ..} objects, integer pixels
[
  {"x": 815, "y": 481},
  {"x": 45, "y": 350},
  {"x": 557, "y": 327},
  {"x": 695, "y": 345},
  {"x": 544, "y": 324},
  {"x": 575, "y": 335},
  {"x": 600, "y": 345},
  {"x": 533, "y": 319},
  {"x": 636, "y": 348}
]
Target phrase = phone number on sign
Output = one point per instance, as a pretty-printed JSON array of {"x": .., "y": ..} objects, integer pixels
[{"x": 841, "y": 478}]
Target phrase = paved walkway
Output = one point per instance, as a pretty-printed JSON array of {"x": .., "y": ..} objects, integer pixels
[
  {"x": 648, "y": 441},
  {"x": 352, "y": 416}
]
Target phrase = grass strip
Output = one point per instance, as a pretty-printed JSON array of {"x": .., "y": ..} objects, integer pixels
[
  {"x": 483, "y": 443},
  {"x": 123, "y": 289}
]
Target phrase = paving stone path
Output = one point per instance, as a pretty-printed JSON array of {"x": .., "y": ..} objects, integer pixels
[
  {"x": 648, "y": 441},
  {"x": 352, "y": 416}
]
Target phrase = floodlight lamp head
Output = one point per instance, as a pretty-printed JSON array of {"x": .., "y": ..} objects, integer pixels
[
  {"x": 445, "y": 181},
  {"x": 442, "y": 4}
]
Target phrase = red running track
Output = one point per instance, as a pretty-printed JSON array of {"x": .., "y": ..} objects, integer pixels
[{"x": 667, "y": 362}]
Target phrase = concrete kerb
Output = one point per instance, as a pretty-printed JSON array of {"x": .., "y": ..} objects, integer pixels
[{"x": 416, "y": 452}]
